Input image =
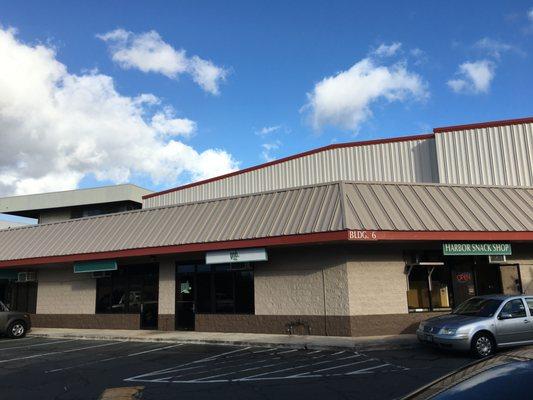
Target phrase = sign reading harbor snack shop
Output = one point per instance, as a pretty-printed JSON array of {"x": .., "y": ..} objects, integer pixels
[
  {"x": 236, "y": 256},
  {"x": 476, "y": 249}
]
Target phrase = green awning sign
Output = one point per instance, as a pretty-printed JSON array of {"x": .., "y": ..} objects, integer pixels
[
  {"x": 9, "y": 274},
  {"x": 95, "y": 266},
  {"x": 476, "y": 249}
]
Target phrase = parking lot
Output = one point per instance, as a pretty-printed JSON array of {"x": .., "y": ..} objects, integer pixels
[{"x": 34, "y": 368}]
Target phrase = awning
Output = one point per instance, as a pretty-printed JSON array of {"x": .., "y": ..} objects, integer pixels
[{"x": 95, "y": 266}]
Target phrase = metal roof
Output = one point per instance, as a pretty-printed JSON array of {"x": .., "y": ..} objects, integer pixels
[
  {"x": 332, "y": 207},
  {"x": 435, "y": 207}
]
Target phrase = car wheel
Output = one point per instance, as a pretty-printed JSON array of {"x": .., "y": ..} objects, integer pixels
[
  {"x": 483, "y": 345},
  {"x": 16, "y": 330}
]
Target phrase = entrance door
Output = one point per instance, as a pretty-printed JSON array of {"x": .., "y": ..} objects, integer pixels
[
  {"x": 185, "y": 298},
  {"x": 149, "y": 305},
  {"x": 142, "y": 285},
  {"x": 510, "y": 277},
  {"x": 463, "y": 283}
]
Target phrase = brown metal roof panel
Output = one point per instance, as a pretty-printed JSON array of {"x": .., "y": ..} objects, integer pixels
[
  {"x": 518, "y": 207},
  {"x": 489, "y": 210},
  {"x": 464, "y": 214},
  {"x": 356, "y": 204},
  {"x": 439, "y": 206}
]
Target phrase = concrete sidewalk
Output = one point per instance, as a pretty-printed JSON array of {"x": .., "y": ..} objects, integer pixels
[{"x": 235, "y": 339}]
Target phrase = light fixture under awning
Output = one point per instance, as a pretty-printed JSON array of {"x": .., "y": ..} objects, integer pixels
[{"x": 95, "y": 266}]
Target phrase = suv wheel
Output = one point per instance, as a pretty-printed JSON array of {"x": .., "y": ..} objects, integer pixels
[
  {"x": 16, "y": 330},
  {"x": 483, "y": 345}
]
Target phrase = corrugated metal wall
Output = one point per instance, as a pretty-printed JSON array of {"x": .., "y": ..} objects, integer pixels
[
  {"x": 404, "y": 161},
  {"x": 500, "y": 155}
]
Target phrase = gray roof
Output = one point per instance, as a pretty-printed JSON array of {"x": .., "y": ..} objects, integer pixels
[
  {"x": 43, "y": 201},
  {"x": 10, "y": 224},
  {"x": 328, "y": 207}
]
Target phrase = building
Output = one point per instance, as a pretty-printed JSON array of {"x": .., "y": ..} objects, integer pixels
[
  {"x": 58, "y": 206},
  {"x": 353, "y": 239}
]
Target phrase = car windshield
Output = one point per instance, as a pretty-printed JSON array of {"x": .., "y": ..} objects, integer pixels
[
  {"x": 3, "y": 307},
  {"x": 478, "y": 307}
]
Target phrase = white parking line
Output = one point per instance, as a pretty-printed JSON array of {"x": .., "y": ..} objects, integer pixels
[
  {"x": 58, "y": 352},
  {"x": 38, "y": 344},
  {"x": 362, "y": 371},
  {"x": 264, "y": 351},
  {"x": 288, "y": 351},
  {"x": 170, "y": 370},
  {"x": 109, "y": 359},
  {"x": 152, "y": 350},
  {"x": 339, "y": 366}
]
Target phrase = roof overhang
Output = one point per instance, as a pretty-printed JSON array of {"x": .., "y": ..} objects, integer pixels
[
  {"x": 28, "y": 205},
  {"x": 345, "y": 236}
]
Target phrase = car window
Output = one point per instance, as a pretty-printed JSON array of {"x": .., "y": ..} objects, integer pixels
[
  {"x": 515, "y": 308},
  {"x": 529, "y": 302}
]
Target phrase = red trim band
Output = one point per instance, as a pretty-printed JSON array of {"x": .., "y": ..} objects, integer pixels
[
  {"x": 480, "y": 125},
  {"x": 299, "y": 155},
  {"x": 351, "y": 236},
  {"x": 185, "y": 248}
]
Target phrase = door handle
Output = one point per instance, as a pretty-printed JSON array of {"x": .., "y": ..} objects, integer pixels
[{"x": 526, "y": 321}]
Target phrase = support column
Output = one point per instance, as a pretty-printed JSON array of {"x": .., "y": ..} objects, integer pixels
[{"x": 167, "y": 294}]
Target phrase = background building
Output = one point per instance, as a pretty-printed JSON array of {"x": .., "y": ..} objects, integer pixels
[{"x": 354, "y": 239}]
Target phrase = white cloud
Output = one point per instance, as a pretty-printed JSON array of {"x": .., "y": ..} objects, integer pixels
[
  {"x": 385, "y": 50},
  {"x": 495, "y": 48},
  {"x": 473, "y": 77},
  {"x": 266, "y": 130},
  {"x": 345, "y": 99},
  {"x": 530, "y": 15},
  {"x": 57, "y": 128},
  {"x": 268, "y": 148},
  {"x": 148, "y": 52}
]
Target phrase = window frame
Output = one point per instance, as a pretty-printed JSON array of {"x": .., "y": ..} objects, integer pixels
[
  {"x": 429, "y": 286},
  {"x": 509, "y": 302},
  {"x": 214, "y": 269}
]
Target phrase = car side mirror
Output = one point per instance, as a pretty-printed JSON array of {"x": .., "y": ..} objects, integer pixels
[{"x": 505, "y": 315}]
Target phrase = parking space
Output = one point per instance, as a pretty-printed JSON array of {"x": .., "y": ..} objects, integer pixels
[{"x": 80, "y": 369}]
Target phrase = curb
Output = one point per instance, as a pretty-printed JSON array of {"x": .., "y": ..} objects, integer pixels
[{"x": 302, "y": 344}]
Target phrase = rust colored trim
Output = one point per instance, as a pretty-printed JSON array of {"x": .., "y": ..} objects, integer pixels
[
  {"x": 184, "y": 248},
  {"x": 299, "y": 155},
  {"x": 480, "y": 125},
  {"x": 346, "y": 236}
]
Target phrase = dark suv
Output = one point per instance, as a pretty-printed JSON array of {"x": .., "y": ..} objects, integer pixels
[{"x": 12, "y": 323}]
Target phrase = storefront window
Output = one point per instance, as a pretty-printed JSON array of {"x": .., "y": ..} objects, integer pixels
[
  {"x": 127, "y": 289},
  {"x": 221, "y": 289},
  {"x": 429, "y": 288}
]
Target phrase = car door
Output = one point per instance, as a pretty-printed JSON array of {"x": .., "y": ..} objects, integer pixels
[
  {"x": 529, "y": 304},
  {"x": 513, "y": 323}
]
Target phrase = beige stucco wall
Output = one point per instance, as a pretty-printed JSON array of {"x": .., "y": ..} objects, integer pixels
[
  {"x": 167, "y": 286},
  {"x": 61, "y": 291},
  {"x": 376, "y": 281},
  {"x": 302, "y": 281}
]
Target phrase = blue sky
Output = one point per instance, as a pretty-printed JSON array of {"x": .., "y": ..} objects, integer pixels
[{"x": 269, "y": 79}]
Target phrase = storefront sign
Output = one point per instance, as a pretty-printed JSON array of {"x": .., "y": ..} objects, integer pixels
[
  {"x": 362, "y": 235},
  {"x": 475, "y": 249},
  {"x": 236, "y": 256},
  {"x": 9, "y": 274},
  {"x": 95, "y": 266}
]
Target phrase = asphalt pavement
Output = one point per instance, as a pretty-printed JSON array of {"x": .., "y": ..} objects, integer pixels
[{"x": 43, "y": 368}]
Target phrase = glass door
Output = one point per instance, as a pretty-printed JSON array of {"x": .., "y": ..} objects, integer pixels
[{"x": 185, "y": 308}]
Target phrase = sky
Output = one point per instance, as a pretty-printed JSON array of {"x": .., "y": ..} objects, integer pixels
[{"x": 163, "y": 93}]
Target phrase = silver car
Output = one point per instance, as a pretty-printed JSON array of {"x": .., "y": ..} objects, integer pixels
[{"x": 482, "y": 324}]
